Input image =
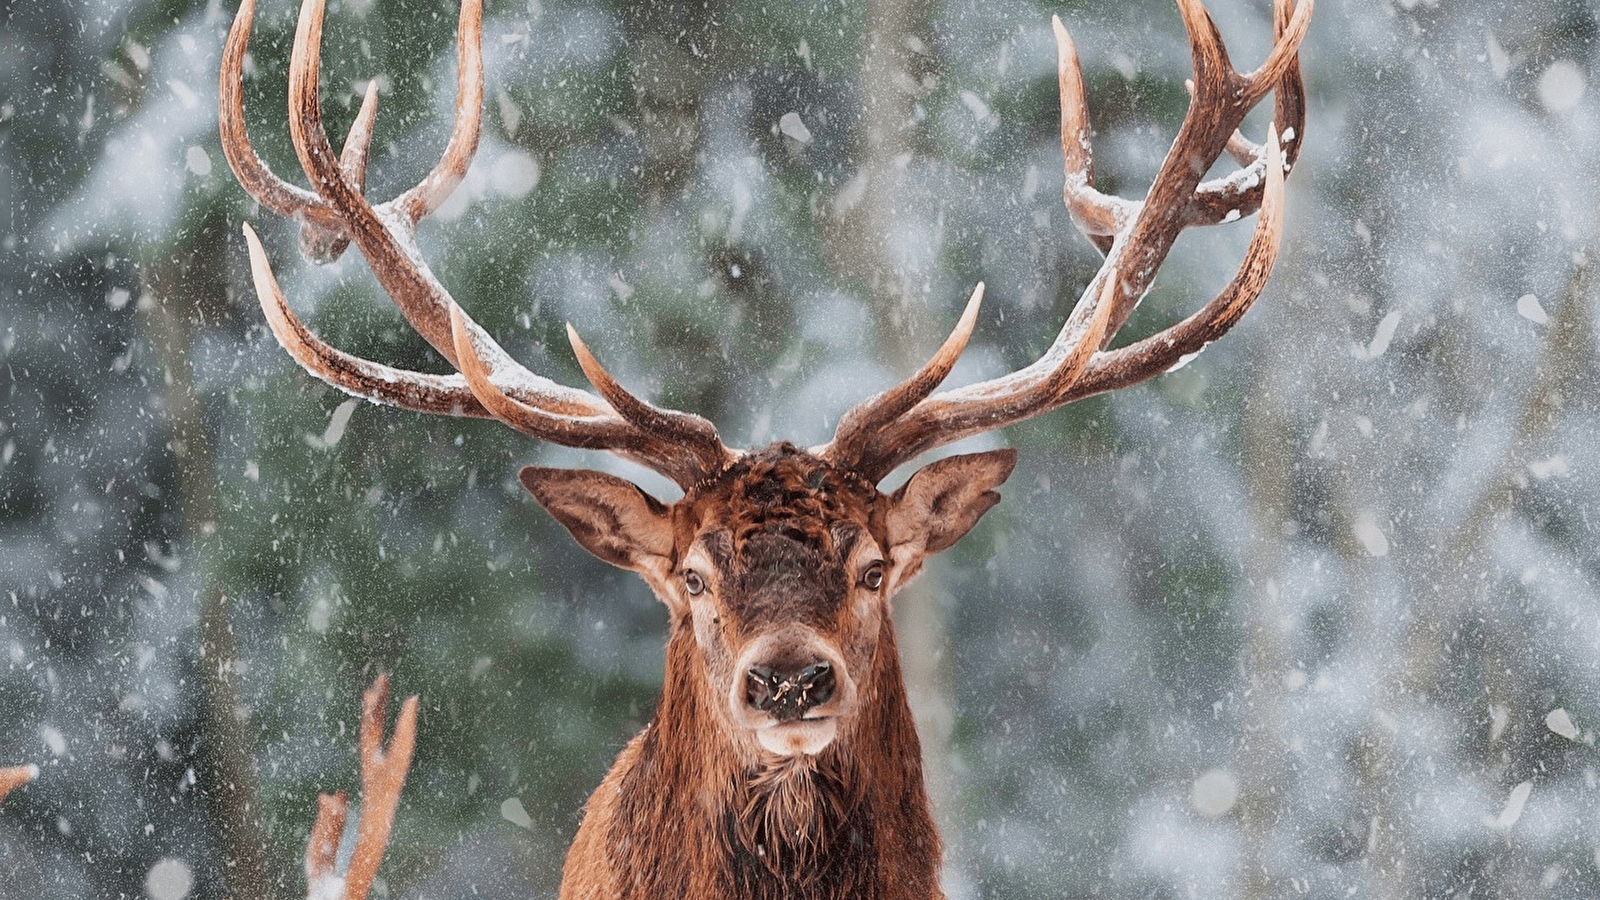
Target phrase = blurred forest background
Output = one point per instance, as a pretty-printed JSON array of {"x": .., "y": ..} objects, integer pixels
[{"x": 1315, "y": 616}]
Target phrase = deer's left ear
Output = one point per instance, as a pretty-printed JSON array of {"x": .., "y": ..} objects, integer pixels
[{"x": 941, "y": 503}]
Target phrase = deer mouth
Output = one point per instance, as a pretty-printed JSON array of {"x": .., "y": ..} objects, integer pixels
[{"x": 798, "y": 737}]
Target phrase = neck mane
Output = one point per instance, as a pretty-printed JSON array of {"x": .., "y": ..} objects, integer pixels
[{"x": 850, "y": 822}]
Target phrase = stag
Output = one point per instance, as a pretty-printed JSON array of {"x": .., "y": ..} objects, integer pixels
[{"x": 782, "y": 760}]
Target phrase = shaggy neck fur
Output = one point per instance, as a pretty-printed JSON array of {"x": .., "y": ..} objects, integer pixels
[{"x": 687, "y": 812}]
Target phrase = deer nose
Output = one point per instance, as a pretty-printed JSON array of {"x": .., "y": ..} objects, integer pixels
[{"x": 789, "y": 695}]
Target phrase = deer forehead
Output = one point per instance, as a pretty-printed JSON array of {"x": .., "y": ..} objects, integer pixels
[{"x": 785, "y": 492}]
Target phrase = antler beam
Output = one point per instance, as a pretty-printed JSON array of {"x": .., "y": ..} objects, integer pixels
[
  {"x": 1135, "y": 237},
  {"x": 336, "y": 213}
]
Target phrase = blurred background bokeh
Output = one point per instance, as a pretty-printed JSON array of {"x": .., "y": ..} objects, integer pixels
[{"x": 1317, "y": 615}]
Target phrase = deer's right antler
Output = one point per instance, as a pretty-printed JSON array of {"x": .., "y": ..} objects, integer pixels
[{"x": 335, "y": 213}]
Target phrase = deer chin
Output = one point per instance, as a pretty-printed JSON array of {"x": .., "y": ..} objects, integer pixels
[{"x": 802, "y": 737}]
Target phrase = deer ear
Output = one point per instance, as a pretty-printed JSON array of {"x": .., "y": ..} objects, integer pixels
[
  {"x": 612, "y": 518},
  {"x": 942, "y": 502}
]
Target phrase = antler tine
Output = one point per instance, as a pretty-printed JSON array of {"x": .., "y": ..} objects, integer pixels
[
  {"x": 1099, "y": 216},
  {"x": 945, "y": 418},
  {"x": 862, "y": 422},
  {"x": 1161, "y": 352},
  {"x": 1176, "y": 200},
  {"x": 1239, "y": 193},
  {"x": 268, "y": 189},
  {"x": 417, "y": 391},
  {"x": 698, "y": 435},
  {"x": 322, "y": 848},
  {"x": 1206, "y": 50},
  {"x": 319, "y": 244},
  {"x": 428, "y": 194},
  {"x": 13, "y": 777},
  {"x": 1244, "y": 151},
  {"x": 383, "y": 774},
  {"x": 1288, "y": 34},
  {"x": 385, "y": 242},
  {"x": 685, "y": 462}
]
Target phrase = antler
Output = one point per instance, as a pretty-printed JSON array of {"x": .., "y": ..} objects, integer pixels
[
  {"x": 335, "y": 213},
  {"x": 13, "y": 777},
  {"x": 383, "y": 773},
  {"x": 886, "y": 430}
]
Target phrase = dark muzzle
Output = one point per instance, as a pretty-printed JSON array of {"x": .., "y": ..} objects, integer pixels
[{"x": 787, "y": 696}]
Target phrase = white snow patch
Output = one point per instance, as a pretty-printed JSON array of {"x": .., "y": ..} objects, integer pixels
[
  {"x": 850, "y": 194},
  {"x": 1529, "y": 307},
  {"x": 197, "y": 160},
  {"x": 1214, "y": 793},
  {"x": 1371, "y": 535},
  {"x": 330, "y": 888},
  {"x": 181, "y": 90},
  {"x": 511, "y": 810},
  {"x": 1561, "y": 86},
  {"x": 1561, "y": 723},
  {"x": 54, "y": 739},
  {"x": 980, "y": 110},
  {"x": 510, "y": 113},
  {"x": 338, "y": 421},
  {"x": 514, "y": 174},
  {"x": 318, "y": 617},
  {"x": 1499, "y": 59},
  {"x": 794, "y": 127},
  {"x": 1499, "y": 718},
  {"x": 168, "y": 879},
  {"x": 1512, "y": 810},
  {"x": 137, "y": 54},
  {"x": 1187, "y": 358},
  {"x": 1541, "y": 469},
  {"x": 1381, "y": 338},
  {"x": 1319, "y": 439}
]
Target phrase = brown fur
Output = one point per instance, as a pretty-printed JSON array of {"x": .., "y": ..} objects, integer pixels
[{"x": 694, "y": 807}]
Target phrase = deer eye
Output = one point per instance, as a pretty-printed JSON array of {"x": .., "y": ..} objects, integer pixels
[
  {"x": 693, "y": 583},
  {"x": 872, "y": 578}
]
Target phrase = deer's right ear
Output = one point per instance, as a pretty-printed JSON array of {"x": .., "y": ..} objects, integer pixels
[{"x": 611, "y": 517}]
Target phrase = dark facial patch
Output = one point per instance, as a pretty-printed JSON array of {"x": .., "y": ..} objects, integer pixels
[{"x": 779, "y": 579}]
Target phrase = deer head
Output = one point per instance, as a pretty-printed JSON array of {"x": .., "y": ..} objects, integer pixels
[
  {"x": 777, "y": 565},
  {"x": 781, "y": 566}
]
